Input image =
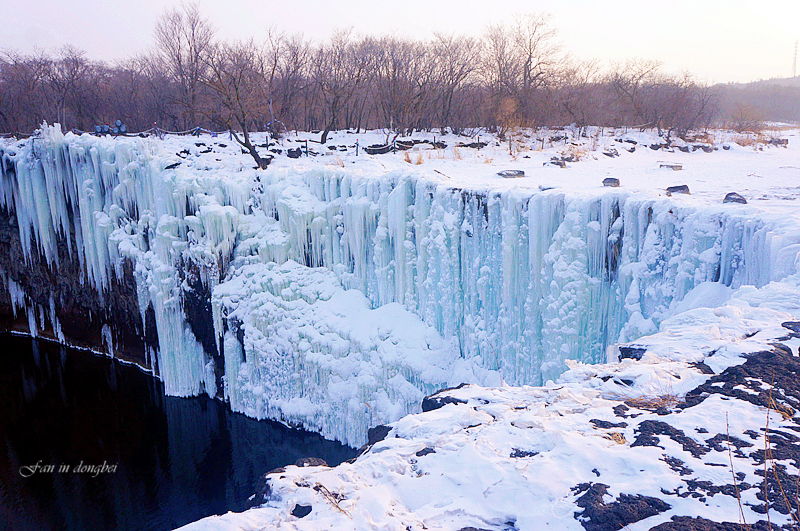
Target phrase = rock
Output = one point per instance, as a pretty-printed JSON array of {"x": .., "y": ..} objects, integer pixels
[
  {"x": 606, "y": 425},
  {"x": 432, "y": 402},
  {"x": 310, "y": 461},
  {"x": 733, "y": 197},
  {"x": 598, "y": 515},
  {"x": 611, "y": 153},
  {"x": 556, "y": 162},
  {"x": 511, "y": 174},
  {"x": 517, "y": 453},
  {"x": 687, "y": 523},
  {"x": 611, "y": 181},
  {"x": 173, "y": 166},
  {"x": 671, "y": 166},
  {"x": 301, "y": 511},
  {"x": 294, "y": 153},
  {"x": 425, "y": 451},
  {"x": 632, "y": 352},
  {"x": 794, "y": 326},
  {"x": 377, "y": 434},
  {"x": 680, "y": 189}
]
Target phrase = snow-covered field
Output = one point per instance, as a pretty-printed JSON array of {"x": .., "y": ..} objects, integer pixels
[{"x": 346, "y": 287}]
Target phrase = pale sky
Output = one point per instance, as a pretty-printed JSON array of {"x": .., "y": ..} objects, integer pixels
[{"x": 716, "y": 40}]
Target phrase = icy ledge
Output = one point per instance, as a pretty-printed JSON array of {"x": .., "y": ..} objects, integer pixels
[{"x": 654, "y": 443}]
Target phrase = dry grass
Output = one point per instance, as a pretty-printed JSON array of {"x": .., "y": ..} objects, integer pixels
[
  {"x": 659, "y": 401},
  {"x": 406, "y": 157},
  {"x": 616, "y": 436},
  {"x": 751, "y": 139},
  {"x": 419, "y": 160}
]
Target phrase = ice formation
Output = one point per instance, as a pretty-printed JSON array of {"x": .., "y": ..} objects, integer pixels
[{"x": 341, "y": 296}]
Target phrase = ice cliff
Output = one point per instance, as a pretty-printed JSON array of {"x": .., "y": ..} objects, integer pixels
[{"x": 336, "y": 298}]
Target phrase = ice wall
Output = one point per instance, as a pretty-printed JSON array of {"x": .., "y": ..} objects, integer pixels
[
  {"x": 113, "y": 200},
  {"x": 523, "y": 280},
  {"x": 340, "y": 298}
]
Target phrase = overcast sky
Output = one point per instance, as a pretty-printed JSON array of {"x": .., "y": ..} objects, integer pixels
[{"x": 717, "y": 40}]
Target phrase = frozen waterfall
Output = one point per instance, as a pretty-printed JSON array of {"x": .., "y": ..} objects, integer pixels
[{"x": 340, "y": 297}]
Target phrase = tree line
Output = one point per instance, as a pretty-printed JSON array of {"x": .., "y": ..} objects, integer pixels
[{"x": 513, "y": 75}]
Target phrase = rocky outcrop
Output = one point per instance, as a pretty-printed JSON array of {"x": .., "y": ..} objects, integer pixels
[{"x": 81, "y": 312}]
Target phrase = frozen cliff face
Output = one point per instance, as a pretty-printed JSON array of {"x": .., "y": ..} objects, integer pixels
[{"x": 340, "y": 297}]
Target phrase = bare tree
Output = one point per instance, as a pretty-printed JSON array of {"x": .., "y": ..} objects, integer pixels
[
  {"x": 183, "y": 39},
  {"x": 236, "y": 77},
  {"x": 456, "y": 60},
  {"x": 339, "y": 69}
]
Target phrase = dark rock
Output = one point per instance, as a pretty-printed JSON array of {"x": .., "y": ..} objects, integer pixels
[
  {"x": 605, "y": 425},
  {"x": 377, "y": 434},
  {"x": 301, "y": 511},
  {"x": 627, "y": 509},
  {"x": 621, "y": 409},
  {"x": 633, "y": 352},
  {"x": 173, "y": 166},
  {"x": 425, "y": 451},
  {"x": 733, "y": 197},
  {"x": 702, "y": 367},
  {"x": 776, "y": 367},
  {"x": 517, "y": 453},
  {"x": 310, "y": 461},
  {"x": 794, "y": 326},
  {"x": 611, "y": 181},
  {"x": 429, "y": 403},
  {"x": 81, "y": 311},
  {"x": 196, "y": 299},
  {"x": 611, "y": 153},
  {"x": 378, "y": 149},
  {"x": 511, "y": 174},
  {"x": 294, "y": 153},
  {"x": 721, "y": 442},
  {"x": 648, "y": 431},
  {"x": 556, "y": 162},
  {"x": 680, "y": 189},
  {"x": 687, "y": 523},
  {"x": 778, "y": 482},
  {"x": 676, "y": 465},
  {"x": 710, "y": 489},
  {"x": 473, "y": 145}
]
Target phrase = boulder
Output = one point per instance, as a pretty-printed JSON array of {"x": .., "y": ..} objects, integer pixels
[
  {"x": 680, "y": 189},
  {"x": 733, "y": 197}
]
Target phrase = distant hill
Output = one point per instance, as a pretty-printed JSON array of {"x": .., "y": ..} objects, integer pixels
[{"x": 775, "y": 100}]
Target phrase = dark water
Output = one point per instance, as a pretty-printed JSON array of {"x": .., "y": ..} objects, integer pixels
[{"x": 168, "y": 461}]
